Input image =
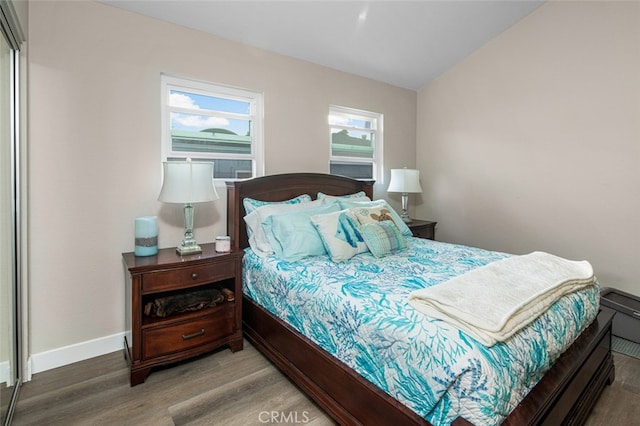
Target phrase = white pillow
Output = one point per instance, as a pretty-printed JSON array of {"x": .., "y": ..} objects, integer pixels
[
  {"x": 258, "y": 240},
  {"x": 357, "y": 196},
  {"x": 250, "y": 204},
  {"x": 340, "y": 233}
]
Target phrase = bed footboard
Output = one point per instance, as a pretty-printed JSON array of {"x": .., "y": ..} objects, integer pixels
[
  {"x": 570, "y": 389},
  {"x": 341, "y": 392},
  {"x": 565, "y": 395}
]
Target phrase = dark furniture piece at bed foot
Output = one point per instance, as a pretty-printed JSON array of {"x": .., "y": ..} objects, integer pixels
[
  {"x": 565, "y": 395},
  {"x": 626, "y": 323},
  {"x": 158, "y": 340}
]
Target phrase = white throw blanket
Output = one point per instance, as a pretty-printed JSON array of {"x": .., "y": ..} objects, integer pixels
[{"x": 493, "y": 302}]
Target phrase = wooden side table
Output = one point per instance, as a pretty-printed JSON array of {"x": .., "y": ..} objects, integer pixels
[
  {"x": 157, "y": 341},
  {"x": 423, "y": 229}
]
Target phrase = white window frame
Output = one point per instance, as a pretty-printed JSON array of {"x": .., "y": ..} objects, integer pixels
[
  {"x": 376, "y": 161},
  {"x": 255, "y": 99}
]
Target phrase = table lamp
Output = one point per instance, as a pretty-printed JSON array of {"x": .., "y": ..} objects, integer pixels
[
  {"x": 405, "y": 181},
  {"x": 188, "y": 182}
]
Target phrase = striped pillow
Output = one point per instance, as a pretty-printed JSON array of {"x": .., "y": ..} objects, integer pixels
[{"x": 383, "y": 238}]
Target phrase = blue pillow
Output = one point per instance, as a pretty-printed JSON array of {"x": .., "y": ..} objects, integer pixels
[
  {"x": 292, "y": 235},
  {"x": 255, "y": 231},
  {"x": 382, "y": 238},
  {"x": 250, "y": 204}
]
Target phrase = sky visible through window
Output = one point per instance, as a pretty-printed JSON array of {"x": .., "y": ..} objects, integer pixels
[{"x": 203, "y": 113}]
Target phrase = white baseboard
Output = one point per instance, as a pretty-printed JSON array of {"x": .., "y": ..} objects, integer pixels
[{"x": 66, "y": 355}]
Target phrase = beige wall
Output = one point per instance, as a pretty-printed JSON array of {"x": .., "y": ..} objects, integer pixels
[
  {"x": 533, "y": 142},
  {"x": 94, "y": 157}
]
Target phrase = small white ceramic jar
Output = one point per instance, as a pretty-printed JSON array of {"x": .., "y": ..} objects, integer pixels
[{"x": 223, "y": 244}]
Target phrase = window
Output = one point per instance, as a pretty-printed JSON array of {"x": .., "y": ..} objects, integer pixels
[
  {"x": 209, "y": 122},
  {"x": 356, "y": 143}
]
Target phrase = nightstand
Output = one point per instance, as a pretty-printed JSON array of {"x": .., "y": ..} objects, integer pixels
[
  {"x": 423, "y": 229},
  {"x": 155, "y": 340}
]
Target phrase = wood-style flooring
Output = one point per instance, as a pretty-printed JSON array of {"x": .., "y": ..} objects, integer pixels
[{"x": 223, "y": 388}]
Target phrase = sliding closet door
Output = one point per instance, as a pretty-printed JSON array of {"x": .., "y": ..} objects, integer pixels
[
  {"x": 10, "y": 324},
  {"x": 8, "y": 349}
]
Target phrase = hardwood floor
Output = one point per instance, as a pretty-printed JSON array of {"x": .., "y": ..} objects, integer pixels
[
  {"x": 620, "y": 402},
  {"x": 222, "y": 389}
]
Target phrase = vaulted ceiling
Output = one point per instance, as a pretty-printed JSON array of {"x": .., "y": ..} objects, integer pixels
[{"x": 403, "y": 43}]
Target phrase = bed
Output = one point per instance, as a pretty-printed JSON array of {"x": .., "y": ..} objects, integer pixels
[{"x": 564, "y": 395}]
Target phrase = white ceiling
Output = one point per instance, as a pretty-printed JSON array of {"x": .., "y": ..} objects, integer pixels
[{"x": 403, "y": 43}]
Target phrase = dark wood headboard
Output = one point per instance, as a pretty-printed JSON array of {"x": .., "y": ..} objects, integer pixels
[{"x": 280, "y": 188}]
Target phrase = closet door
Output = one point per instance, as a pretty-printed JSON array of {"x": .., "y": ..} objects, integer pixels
[
  {"x": 10, "y": 324},
  {"x": 8, "y": 373}
]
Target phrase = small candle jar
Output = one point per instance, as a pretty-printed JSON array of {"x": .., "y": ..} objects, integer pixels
[{"x": 223, "y": 244}]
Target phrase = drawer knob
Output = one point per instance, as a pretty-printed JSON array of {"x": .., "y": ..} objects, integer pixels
[
  {"x": 194, "y": 276},
  {"x": 191, "y": 336}
]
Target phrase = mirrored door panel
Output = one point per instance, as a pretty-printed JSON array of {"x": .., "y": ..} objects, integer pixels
[
  {"x": 10, "y": 330},
  {"x": 8, "y": 374}
]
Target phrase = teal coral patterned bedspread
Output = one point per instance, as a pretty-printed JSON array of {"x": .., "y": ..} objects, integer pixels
[{"x": 358, "y": 311}]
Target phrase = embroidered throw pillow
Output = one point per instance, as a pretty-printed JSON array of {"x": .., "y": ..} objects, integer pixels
[{"x": 376, "y": 211}]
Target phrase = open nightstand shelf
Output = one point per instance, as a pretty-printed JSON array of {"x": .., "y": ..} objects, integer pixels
[{"x": 156, "y": 341}]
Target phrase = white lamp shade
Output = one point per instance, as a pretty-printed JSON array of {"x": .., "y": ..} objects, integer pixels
[
  {"x": 187, "y": 182},
  {"x": 405, "y": 181}
]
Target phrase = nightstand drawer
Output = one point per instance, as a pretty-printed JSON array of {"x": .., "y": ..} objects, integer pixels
[
  {"x": 168, "y": 339},
  {"x": 159, "y": 340},
  {"x": 424, "y": 232},
  {"x": 423, "y": 229},
  {"x": 184, "y": 277}
]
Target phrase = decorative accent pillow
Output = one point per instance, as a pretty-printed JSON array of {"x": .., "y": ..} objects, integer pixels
[
  {"x": 376, "y": 211},
  {"x": 357, "y": 196},
  {"x": 372, "y": 214},
  {"x": 293, "y": 236},
  {"x": 383, "y": 238},
  {"x": 251, "y": 204},
  {"x": 340, "y": 233},
  {"x": 258, "y": 240}
]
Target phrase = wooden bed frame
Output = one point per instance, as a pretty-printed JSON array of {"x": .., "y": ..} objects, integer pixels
[{"x": 565, "y": 395}]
